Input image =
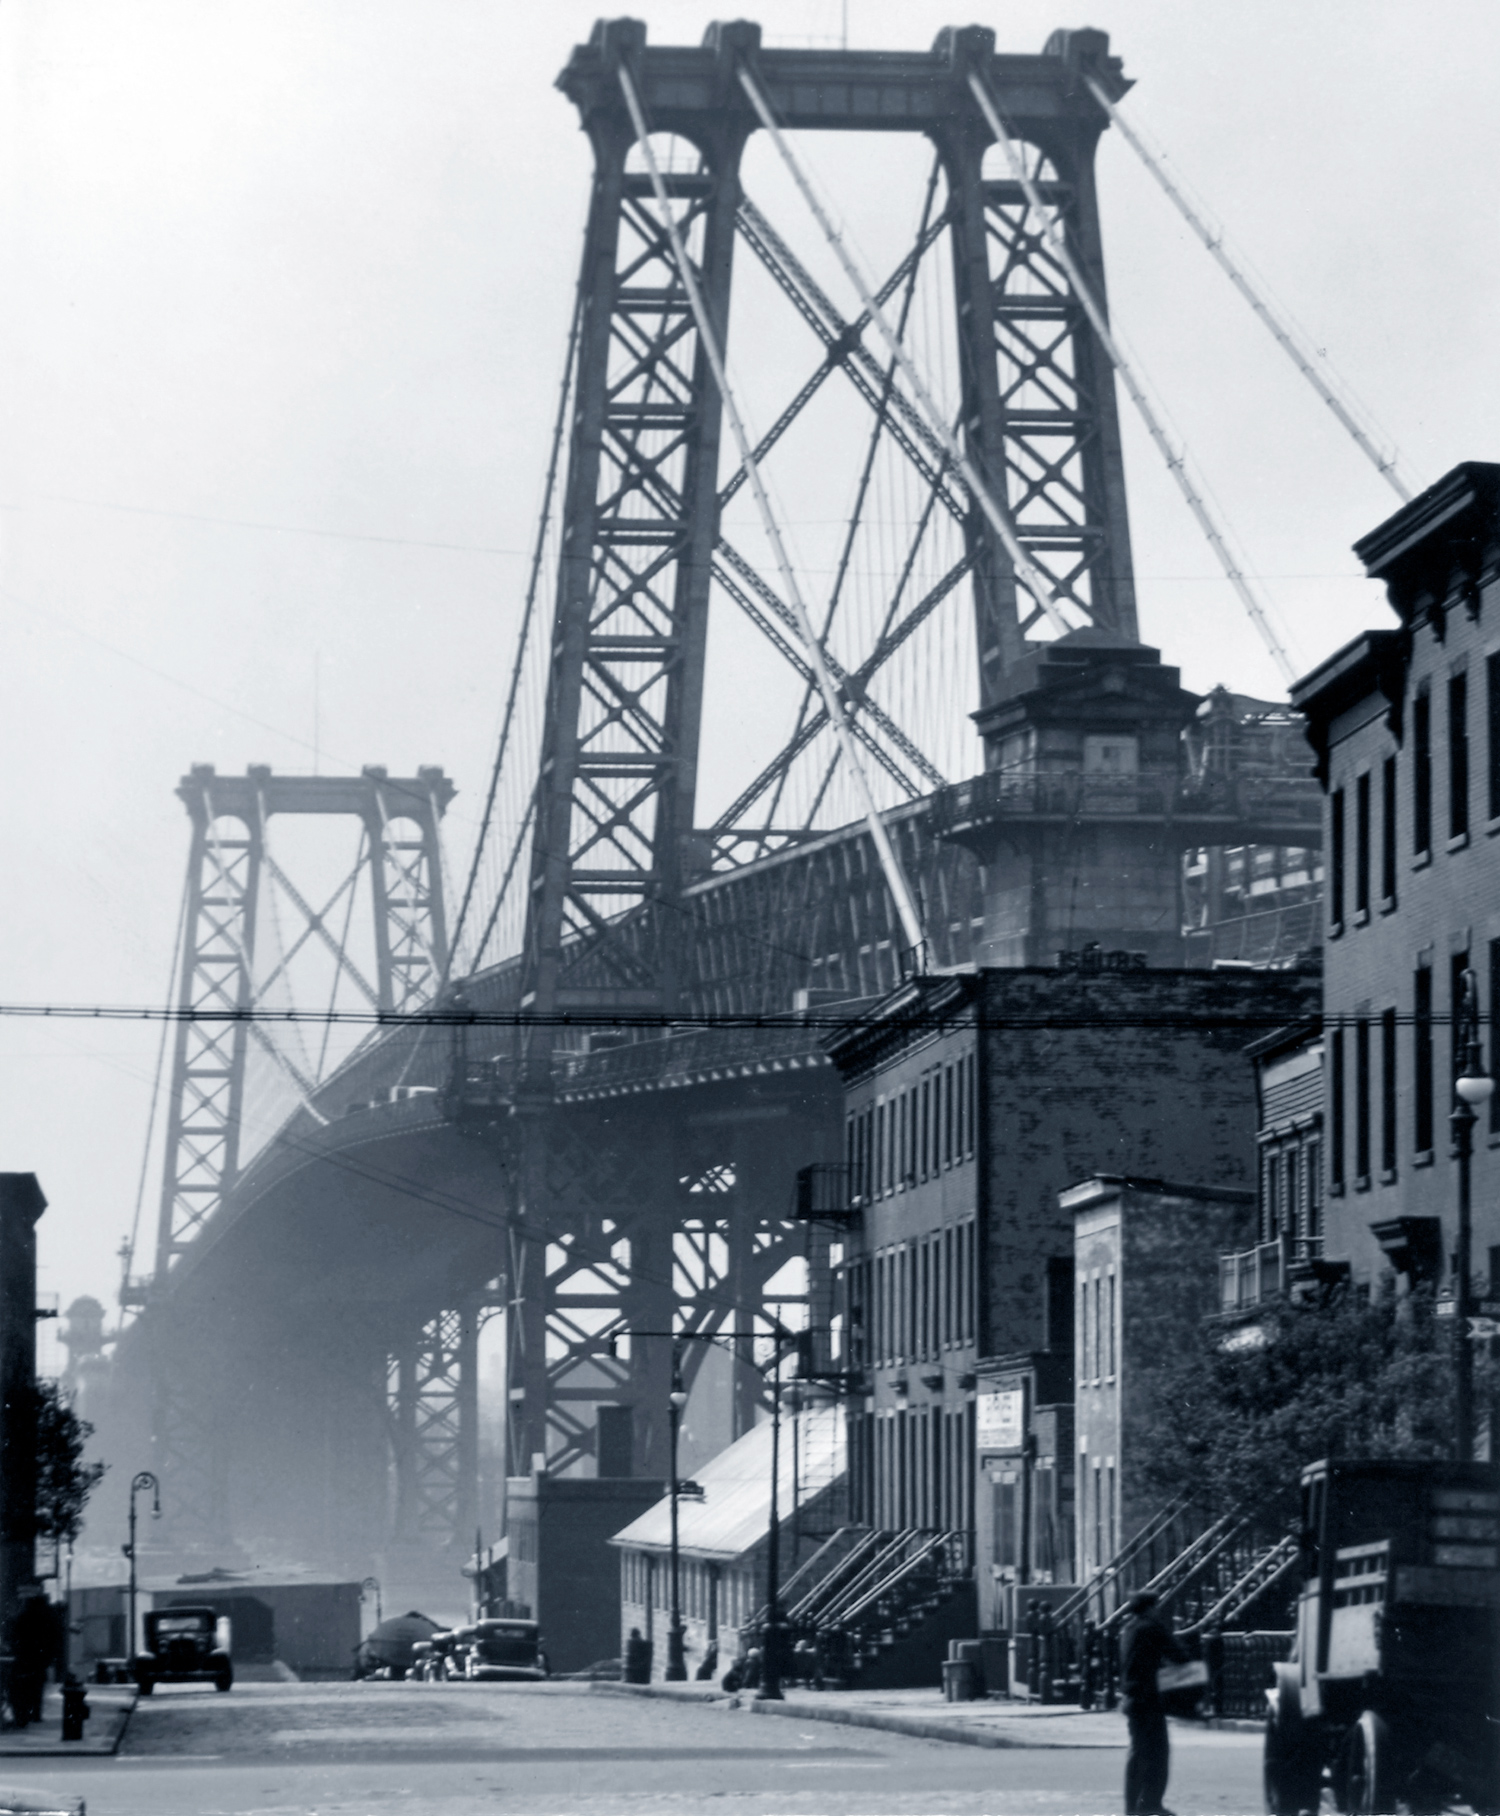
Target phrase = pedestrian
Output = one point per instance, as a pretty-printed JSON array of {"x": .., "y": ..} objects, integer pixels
[{"x": 1146, "y": 1644}]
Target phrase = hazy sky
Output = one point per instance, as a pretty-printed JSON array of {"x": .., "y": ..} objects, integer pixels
[{"x": 285, "y": 295}]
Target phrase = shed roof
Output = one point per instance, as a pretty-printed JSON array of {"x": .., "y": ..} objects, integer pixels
[{"x": 735, "y": 1513}]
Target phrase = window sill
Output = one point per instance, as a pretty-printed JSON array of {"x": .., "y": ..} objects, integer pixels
[
  {"x": 1421, "y": 860},
  {"x": 1494, "y": 1140},
  {"x": 1361, "y": 917},
  {"x": 1336, "y": 1188},
  {"x": 1422, "y": 1158},
  {"x": 1362, "y": 1182},
  {"x": 1388, "y": 904},
  {"x": 1335, "y": 929},
  {"x": 1459, "y": 842},
  {"x": 1388, "y": 1176},
  {"x": 1491, "y": 827}
]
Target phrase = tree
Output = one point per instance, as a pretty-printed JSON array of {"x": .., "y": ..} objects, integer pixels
[
  {"x": 64, "y": 1481},
  {"x": 1235, "y": 1414}
]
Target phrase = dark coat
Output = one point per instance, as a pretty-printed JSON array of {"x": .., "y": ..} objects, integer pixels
[{"x": 1146, "y": 1644}]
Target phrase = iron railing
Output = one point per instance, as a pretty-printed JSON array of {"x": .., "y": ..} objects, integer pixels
[{"x": 1291, "y": 805}]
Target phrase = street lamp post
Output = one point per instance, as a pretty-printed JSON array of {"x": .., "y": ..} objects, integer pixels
[
  {"x": 1471, "y": 1089},
  {"x": 139, "y": 1484},
  {"x": 770, "y": 1664},
  {"x": 676, "y": 1671}
]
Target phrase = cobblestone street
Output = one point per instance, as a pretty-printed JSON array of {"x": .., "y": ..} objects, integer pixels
[{"x": 383, "y": 1749}]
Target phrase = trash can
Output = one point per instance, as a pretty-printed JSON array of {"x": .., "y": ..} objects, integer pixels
[{"x": 959, "y": 1680}]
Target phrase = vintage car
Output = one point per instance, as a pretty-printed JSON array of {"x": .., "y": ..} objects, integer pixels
[
  {"x": 500, "y": 1650},
  {"x": 390, "y": 1650},
  {"x": 183, "y": 1646},
  {"x": 1393, "y": 1687}
]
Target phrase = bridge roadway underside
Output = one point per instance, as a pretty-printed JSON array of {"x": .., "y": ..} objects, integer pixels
[{"x": 311, "y": 1367}]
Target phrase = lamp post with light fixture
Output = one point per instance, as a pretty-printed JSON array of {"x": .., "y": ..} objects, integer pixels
[
  {"x": 1471, "y": 1088},
  {"x": 676, "y": 1671},
  {"x": 142, "y": 1480}
]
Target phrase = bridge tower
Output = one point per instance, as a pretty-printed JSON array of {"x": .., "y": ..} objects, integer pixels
[
  {"x": 618, "y": 837},
  {"x": 234, "y": 876}
]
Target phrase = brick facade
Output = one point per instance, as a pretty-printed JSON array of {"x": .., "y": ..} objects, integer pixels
[
  {"x": 1406, "y": 723},
  {"x": 953, "y": 1275}
]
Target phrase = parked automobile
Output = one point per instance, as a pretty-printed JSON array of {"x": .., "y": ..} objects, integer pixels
[
  {"x": 1394, "y": 1680},
  {"x": 390, "y": 1650},
  {"x": 503, "y": 1650},
  {"x": 182, "y": 1646}
]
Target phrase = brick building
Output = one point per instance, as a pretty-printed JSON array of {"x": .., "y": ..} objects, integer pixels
[
  {"x": 1406, "y": 726},
  {"x": 972, "y": 1102},
  {"x": 1146, "y": 1264}
]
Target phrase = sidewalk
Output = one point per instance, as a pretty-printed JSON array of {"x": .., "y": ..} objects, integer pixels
[
  {"x": 109, "y": 1710},
  {"x": 922, "y": 1713}
]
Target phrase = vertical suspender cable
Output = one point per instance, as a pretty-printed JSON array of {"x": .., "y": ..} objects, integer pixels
[
  {"x": 1176, "y": 462},
  {"x": 895, "y": 876},
  {"x": 999, "y": 518},
  {"x": 1343, "y": 408}
]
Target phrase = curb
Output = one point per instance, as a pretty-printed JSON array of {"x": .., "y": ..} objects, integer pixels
[
  {"x": 667, "y": 1692},
  {"x": 913, "y": 1725},
  {"x": 101, "y": 1748}
]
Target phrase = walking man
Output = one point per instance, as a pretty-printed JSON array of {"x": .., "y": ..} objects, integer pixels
[{"x": 1146, "y": 1644}]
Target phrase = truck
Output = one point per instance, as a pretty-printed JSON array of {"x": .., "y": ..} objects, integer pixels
[{"x": 1392, "y": 1690}]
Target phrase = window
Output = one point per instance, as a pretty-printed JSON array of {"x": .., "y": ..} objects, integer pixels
[
  {"x": 948, "y": 1116},
  {"x": 1494, "y": 1024},
  {"x": 1457, "y": 966},
  {"x": 1422, "y": 1060},
  {"x": 1269, "y": 1224},
  {"x": 1336, "y": 1109},
  {"x": 1336, "y": 860},
  {"x": 1388, "y": 830},
  {"x": 1388, "y": 1091},
  {"x": 1314, "y": 1194},
  {"x": 1458, "y": 756},
  {"x": 1421, "y": 774},
  {"x": 926, "y": 1125},
  {"x": 1362, "y": 1102},
  {"x": 1362, "y": 845},
  {"x": 1492, "y": 715},
  {"x": 1110, "y": 1328}
]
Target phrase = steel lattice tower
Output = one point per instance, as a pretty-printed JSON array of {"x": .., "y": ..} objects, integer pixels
[{"x": 616, "y": 833}]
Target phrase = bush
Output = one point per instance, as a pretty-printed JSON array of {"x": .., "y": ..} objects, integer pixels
[{"x": 1236, "y": 1416}]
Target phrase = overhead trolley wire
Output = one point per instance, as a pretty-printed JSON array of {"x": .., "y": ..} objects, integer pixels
[
  {"x": 1344, "y": 407},
  {"x": 1176, "y": 461}
]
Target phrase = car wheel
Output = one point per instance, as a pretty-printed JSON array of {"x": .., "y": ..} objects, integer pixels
[
  {"x": 224, "y": 1681},
  {"x": 1291, "y": 1774},
  {"x": 1369, "y": 1776},
  {"x": 145, "y": 1685}
]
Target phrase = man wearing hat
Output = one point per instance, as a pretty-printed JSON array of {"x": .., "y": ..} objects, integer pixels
[{"x": 1146, "y": 1644}]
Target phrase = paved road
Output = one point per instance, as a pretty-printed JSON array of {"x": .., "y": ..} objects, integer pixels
[{"x": 380, "y": 1749}]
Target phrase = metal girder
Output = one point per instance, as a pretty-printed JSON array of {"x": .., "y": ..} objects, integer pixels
[
  {"x": 648, "y": 1234},
  {"x": 614, "y": 826},
  {"x": 230, "y": 867},
  {"x": 433, "y": 1412}
]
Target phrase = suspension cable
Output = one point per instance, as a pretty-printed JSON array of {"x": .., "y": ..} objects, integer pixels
[
  {"x": 1176, "y": 461},
  {"x": 533, "y": 581},
  {"x": 890, "y": 863},
  {"x": 999, "y": 518},
  {"x": 1344, "y": 408}
]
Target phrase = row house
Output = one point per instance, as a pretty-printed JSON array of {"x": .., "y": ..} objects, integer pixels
[{"x": 1406, "y": 726}]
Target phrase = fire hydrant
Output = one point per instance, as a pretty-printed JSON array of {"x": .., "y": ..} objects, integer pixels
[{"x": 75, "y": 1708}]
